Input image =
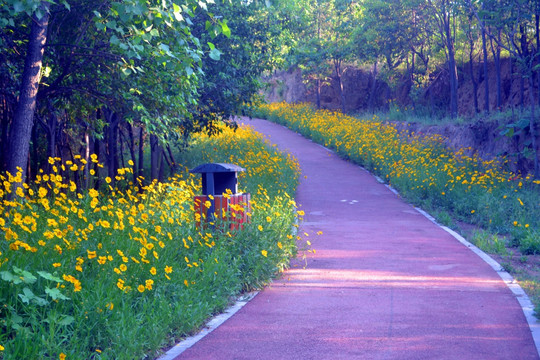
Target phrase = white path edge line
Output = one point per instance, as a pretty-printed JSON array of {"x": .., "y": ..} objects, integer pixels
[
  {"x": 524, "y": 301},
  {"x": 210, "y": 326}
]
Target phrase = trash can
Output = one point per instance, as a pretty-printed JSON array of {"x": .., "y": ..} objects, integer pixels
[{"x": 220, "y": 201}]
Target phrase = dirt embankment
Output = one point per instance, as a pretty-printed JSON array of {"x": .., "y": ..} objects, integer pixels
[{"x": 482, "y": 136}]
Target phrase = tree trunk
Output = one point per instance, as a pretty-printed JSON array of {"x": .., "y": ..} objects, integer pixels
[
  {"x": 87, "y": 158},
  {"x": 113, "y": 120},
  {"x": 532, "y": 127},
  {"x": 537, "y": 33},
  {"x": 132, "y": 150},
  {"x": 471, "y": 67},
  {"x": 496, "y": 50},
  {"x": 524, "y": 56},
  {"x": 155, "y": 157},
  {"x": 371, "y": 101},
  {"x": 141, "y": 152},
  {"x": 21, "y": 128},
  {"x": 473, "y": 79},
  {"x": 453, "y": 81},
  {"x": 4, "y": 138},
  {"x": 337, "y": 66},
  {"x": 486, "y": 71},
  {"x": 319, "y": 94}
]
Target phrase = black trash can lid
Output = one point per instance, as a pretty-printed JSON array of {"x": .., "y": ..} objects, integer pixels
[{"x": 216, "y": 168}]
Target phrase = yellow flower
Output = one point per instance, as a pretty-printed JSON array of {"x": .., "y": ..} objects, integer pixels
[
  {"x": 268, "y": 219},
  {"x": 149, "y": 283},
  {"x": 472, "y": 211},
  {"x": 108, "y": 180},
  {"x": 153, "y": 271},
  {"x": 279, "y": 245},
  {"x": 141, "y": 288},
  {"x": 120, "y": 284},
  {"x": 186, "y": 283},
  {"x": 260, "y": 228},
  {"x": 264, "y": 253},
  {"x": 168, "y": 269},
  {"x": 91, "y": 254},
  {"x": 56, "y": 265},
  {"x": 515, "y": 223},
  {"x": 109, "y": 306},
  {"x": 123, "y": 267},
  {"x": 2, "y": 348},
  {"x": 62, "y": 356}
]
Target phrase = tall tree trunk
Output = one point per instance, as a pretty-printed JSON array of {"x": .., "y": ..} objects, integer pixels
[
  {"x": 496, "y": 50},
  {"x": 471, "y": 39},
  {"x": 21, "y": 128},
  {"x": 452, "y": 67},
  {"x": 371, "y": 100},
  {"x": 337, "y": 67},
  {"x": 537, "y": 34},
  {"x": 141, "y": 152},
  {"x": 155, "y": 157},
  {"x": 525, "y": 58},
  {"x": 87, "y": 158},
  {"x": 113, "y": 120},
  {"x": 473, "y": 79},
  {"x": 132, "y": 150},
  {"x": 532, "y": 127},
  {"x": 486, "y": 70},
  {"x": 4, "y": 138},
  {"x": 319, "y": 85}
]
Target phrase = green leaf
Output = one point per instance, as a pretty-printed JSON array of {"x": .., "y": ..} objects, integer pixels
[
  {"x": 177, "y": 12},
  {"x": 27, "y": 296},
  {"x": 65, "y": 3},
  {"x": 49, "y": 276},
  {"x": 225, "y": 29},
  {"x": 18, "y": 6},
  {"x": 67, "y": 320},
  {"x": 55, "y": 294},
  {"x": 215, "y": 54},
  {"x": 9, "y": 277},
  {"x": 26, "y": 276}
]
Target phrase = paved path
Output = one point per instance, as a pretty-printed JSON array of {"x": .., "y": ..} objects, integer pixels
[{"x": 385, "y": 282}]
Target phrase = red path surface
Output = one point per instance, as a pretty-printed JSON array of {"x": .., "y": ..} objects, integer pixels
[{"x": 385, "y": 282}]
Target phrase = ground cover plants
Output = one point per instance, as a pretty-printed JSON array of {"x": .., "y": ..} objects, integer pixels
[
  {"x": 454, "y": 186},
  {"x": 122, "y": 271}
]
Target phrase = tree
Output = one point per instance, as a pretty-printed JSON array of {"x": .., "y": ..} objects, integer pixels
[
  {"x": 135, "y": 61},
  {"x": 443, "y": 12},
  {"x": 21, "y": 128}
]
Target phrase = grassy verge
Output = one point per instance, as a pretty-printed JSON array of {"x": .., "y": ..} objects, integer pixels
[
  {"x": 123, "y": 272},
  {"x": 456, "y": 188}
]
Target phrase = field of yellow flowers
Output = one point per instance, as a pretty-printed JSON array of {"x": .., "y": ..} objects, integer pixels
[
  {"x": 122, "y": 271},
  {"x": 426, "y": 172}
]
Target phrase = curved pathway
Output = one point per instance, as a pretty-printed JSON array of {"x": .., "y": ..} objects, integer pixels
[{"x": 384, "y": 283}]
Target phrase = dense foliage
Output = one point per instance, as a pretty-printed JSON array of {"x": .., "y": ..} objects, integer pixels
[
  {"x": 421, "y": 50},
  {"x": 111, "y": 78}
]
